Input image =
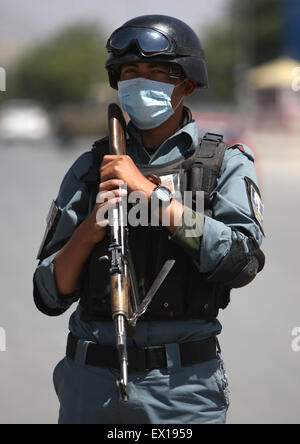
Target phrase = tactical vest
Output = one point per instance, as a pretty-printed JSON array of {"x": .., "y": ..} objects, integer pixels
[{"x": 184, "y": 294}]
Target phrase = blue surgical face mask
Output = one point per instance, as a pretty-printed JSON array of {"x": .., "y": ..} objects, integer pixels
[{"x": 147, "y": 102}]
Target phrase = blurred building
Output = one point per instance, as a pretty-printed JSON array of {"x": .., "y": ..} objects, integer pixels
[
  {"x": 275, "y": 85},
  {"x": 276, "y": 94},
  {"x": 9, "y": 51}
]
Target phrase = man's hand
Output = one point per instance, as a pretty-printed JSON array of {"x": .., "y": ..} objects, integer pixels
[
  {"x": 70, "y": 260},
  {"x": 123, "y": 168},
  {"x": 108, "y": 196}
]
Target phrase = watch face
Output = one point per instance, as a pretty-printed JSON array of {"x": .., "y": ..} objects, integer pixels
[{"x": 163, "y": 194}]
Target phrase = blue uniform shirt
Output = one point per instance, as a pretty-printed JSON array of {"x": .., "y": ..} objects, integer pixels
[{"x": 231, "y": 208}]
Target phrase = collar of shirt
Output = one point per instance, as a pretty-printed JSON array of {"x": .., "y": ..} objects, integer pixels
[{"x": 184, "y": 141}]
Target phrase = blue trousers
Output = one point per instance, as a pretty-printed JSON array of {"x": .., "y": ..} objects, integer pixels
[{"x": 195, "y": 394}]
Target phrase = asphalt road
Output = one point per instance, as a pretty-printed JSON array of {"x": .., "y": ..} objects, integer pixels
[{"x": 257, "y": 328}]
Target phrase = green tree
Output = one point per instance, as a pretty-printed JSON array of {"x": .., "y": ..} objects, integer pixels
[
  {"x": 63, "y": 68},
  {"x": 260, "y": 26},
  {"x": 250, "y": 35},
  {"x": 219, "y": 50}
]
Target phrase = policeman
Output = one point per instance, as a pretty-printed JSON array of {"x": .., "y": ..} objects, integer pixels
[{"x": 176, "y": 373}]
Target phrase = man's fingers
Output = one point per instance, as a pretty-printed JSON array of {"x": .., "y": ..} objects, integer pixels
[
  {"x": 104, "y": 196},
  {"x": 103, "y": 212},
  {"x": 101, "y": 224},
  {"x": 111, "y": 158},
  {"x": 111, "y": 184}
]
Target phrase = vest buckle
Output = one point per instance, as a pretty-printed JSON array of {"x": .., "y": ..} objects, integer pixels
[{"x": 213, "y": 137}]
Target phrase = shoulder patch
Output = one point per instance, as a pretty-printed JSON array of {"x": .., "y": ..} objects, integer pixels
[
  {"x": 52, "y": 221},
  {"x": 257, "y": 207},
  {"x": 244, "y": 149}
]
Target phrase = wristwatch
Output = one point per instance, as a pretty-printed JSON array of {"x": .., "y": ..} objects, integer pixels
[{"x": 163, "y": 194}]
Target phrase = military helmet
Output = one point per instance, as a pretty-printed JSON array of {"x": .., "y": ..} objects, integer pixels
[{"x": 156, "y": 38}]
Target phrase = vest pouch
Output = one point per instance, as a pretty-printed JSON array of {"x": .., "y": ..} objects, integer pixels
[
  {"x": 204, "y": 299},
  {"x": 169, "y": 301},
  {"x": 95, "y": 298},
  {"x": 150, "y": 251}
]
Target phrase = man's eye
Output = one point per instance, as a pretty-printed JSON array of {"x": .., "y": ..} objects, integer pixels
[{"x": 129, "y": 70}]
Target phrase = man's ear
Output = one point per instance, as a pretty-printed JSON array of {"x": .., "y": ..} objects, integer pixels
[{"x": 190, "y": 86}]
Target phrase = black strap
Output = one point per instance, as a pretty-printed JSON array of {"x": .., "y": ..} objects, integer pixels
[
  {"x": 100, "y": 148},
  {"x": 92, "y": 177},
  {"x": 209, "y": 144},
  {"x": 144, "y": 359},
  {"x": 205, "y": 166}
]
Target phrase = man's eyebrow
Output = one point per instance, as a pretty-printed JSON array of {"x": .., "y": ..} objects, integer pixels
[
  {"x": 130, "y": 64},
  {"x": 157, "y": 65},
  {"x": 149, "y": 65}
]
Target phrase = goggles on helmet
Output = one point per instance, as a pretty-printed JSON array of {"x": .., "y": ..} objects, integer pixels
[{"x": 150, "y": 42}]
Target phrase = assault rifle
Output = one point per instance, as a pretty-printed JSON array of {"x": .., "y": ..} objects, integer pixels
[
  {"x": 125, "y": 305},
  {"x": 118, "y": 250}
]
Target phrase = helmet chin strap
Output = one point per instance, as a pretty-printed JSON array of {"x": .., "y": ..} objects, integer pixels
[
  {"x": 178, "y": 104},
  {"x": 182, "y": 98}
]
